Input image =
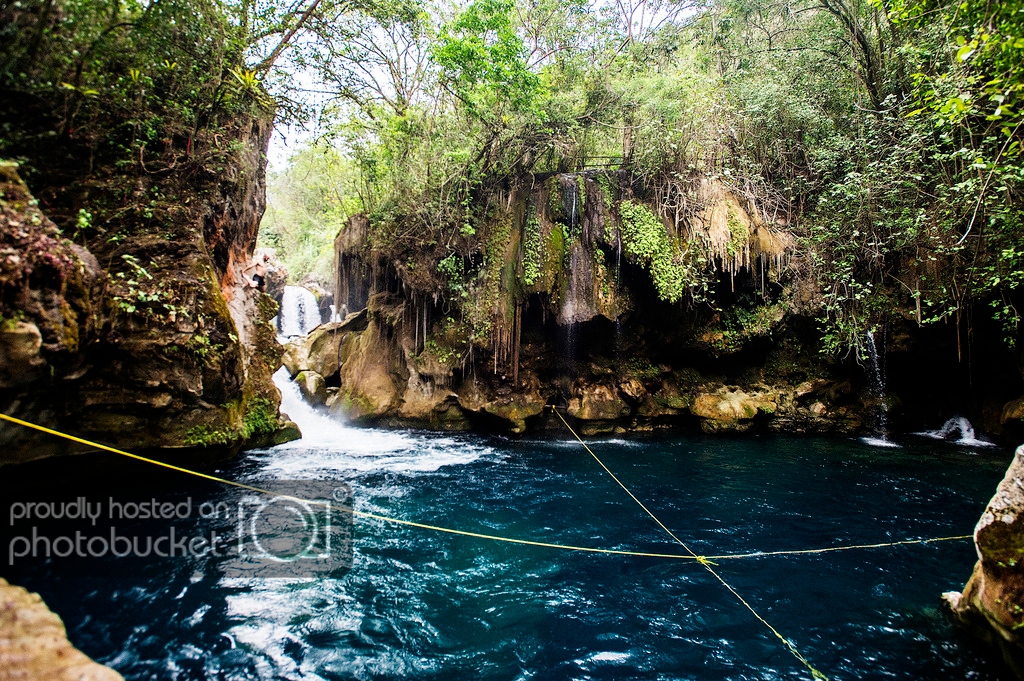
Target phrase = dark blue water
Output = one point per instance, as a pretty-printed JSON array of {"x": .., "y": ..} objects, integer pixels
[{"x": 423, "y": 605}]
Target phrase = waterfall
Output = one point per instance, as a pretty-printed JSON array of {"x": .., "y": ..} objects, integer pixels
[
  {"x": 568, "y": 349},
  {"x": 573, "y": 218},
  {"x": 957, "y": 424},
  {"x": 316, "y": 426},
  {"x": 578, "y": 300},
  {"x": 618, "y": 292},
  {"x": 876, "y": 372},
  {"x": 328, "y": 445},
  {"x": 299, "y": 312}
]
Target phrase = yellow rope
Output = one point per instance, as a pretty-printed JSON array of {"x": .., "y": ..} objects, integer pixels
[
  {"x": 477, "y": 535},
  {"x": 829, "y": 549},
  {"x": 703, "y": 560}
]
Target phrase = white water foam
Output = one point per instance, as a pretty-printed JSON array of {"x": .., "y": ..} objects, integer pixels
[
  {"x": 957, "y": 424},
  {"x": 299, "y": 313},
  {"x": 328, "y": 445},
  {"x": 879, "y": 442}
]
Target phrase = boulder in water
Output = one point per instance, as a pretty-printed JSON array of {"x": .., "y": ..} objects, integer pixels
[
  {"x": 730, "y": 410},
  {"x": 312, "y": 386}
]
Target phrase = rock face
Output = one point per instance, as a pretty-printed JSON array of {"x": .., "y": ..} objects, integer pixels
[
  {"x": 34, "y": 644},
  {"x": 992, "y": 604},
  {"x": 164, "y": 346},
  {"x": 575, "y": 291},
  {"x": 1011, "y": 417},
  {"x": 563, "y": 309}
]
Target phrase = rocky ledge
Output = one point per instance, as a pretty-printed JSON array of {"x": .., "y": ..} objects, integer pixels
[
  {"x": 143, "y": 334},
  {"x": 366, "y": 370}
]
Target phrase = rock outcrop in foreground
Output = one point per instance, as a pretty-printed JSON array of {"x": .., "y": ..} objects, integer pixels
[
  {"x": 992, "y": 604},
  {"x": 35, "y": 646}
]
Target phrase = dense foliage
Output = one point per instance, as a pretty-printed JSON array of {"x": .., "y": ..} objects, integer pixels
[{"x": 885, "y": 134}]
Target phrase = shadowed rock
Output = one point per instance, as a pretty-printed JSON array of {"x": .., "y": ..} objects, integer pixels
[{"x": 991, "y": 606}]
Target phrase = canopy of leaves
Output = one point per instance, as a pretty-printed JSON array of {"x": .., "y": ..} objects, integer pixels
[{"x": 885, "y": 134}]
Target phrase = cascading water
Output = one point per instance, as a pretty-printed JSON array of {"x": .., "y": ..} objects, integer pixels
[
  {"x": 329, "y": 446},
  {"x": 957, "y": 424},
  {"x": 316, "y": 427},
  {"x": 876, "y": 371},
  {"x": 299, "y": 313}
]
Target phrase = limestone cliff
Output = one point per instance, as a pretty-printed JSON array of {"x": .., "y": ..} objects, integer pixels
[
  {"x": 632, "y": 311},
  {"x": 576, "y": 292}
]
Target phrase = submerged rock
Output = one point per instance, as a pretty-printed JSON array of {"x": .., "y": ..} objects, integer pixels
[
  {"x": 34, "y": 643},
  {"x": 991, "y": 605}
]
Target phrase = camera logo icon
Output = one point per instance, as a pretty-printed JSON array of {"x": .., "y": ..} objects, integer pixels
[{"x": 302, "y": 530}]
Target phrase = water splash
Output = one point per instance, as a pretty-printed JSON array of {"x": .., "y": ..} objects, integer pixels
[
  {"x": 299, "y": 313},
  {"x": 953, "y": 426},
  {"x": 317, "y": 428},
  {"x": 328, "y": 445}
]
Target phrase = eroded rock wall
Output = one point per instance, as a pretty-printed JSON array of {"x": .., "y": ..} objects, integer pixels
[
  {"x": 633, "y": 310},
  {"x": 163, "y": 344},
  {"x": 571, "y": 294}
]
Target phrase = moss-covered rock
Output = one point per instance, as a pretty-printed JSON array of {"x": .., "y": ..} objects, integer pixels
[
  {"x": 729, "y": 409},
  {"x": 312, "y": 387},
  {"x": 165, "y": 347},
  {"x": 597, "y": 402}
]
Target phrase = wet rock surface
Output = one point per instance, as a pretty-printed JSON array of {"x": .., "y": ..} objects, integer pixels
[{"x": 562, "y": 313}]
